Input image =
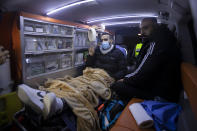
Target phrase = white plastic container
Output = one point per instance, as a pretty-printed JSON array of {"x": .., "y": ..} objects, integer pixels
[{"x": 5, "y": 78}]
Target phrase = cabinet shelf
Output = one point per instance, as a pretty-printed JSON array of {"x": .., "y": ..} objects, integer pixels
[
  {"x": 82, "y": 30},
  {"x": 49, "y": 35},
  {"x": 77, "y": 65},
  {"x": 81, "y": 48},
  {"x": 47, "y": 51},
  {"x": 48, "y": 73},
  {"x": 45, "y": 22},
  {"x": 56, "y": 71}
]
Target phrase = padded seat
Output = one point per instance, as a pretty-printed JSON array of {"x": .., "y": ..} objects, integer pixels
[
  {"x": 126, "y": 121},
  {"x": 189, "y": 80}
]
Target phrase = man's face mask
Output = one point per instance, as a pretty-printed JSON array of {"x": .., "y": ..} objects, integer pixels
[{"x": 105, "y": 45}]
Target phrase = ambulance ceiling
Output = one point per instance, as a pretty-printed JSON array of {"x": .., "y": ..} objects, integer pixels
[{"x": 98, "y": 8}]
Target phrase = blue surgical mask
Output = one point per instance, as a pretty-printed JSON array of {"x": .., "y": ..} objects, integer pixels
[{"x": 105, "y": 45}]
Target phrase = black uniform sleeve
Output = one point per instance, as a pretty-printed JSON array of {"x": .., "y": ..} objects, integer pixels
[
  {"x": 90, "y": 61},
  {"x": 154, "y": 58},
  {"x": 122, "y": 67},
  {"x": 161, "y": 52}
]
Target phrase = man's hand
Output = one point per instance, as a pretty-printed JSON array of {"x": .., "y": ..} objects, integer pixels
[
  {"x": 121, "y": 80},
  {"x": 91, "y": 51},
  {"x": 4, "y": 54}
]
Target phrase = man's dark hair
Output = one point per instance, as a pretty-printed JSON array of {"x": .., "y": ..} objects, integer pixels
[
  {"x": 152, "y": 19},
  {"x": 104, "y": 33}
]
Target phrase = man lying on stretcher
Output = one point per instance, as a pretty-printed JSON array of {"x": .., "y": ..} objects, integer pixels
[
  {"x": 81, "y": 93},
  {"x": 107, "y": 57}
]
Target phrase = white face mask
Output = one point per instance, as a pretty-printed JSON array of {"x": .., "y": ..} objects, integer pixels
[{"x": 105, "y": 45}]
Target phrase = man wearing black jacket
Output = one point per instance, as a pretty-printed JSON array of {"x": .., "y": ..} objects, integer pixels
[
  {"x": 157, "y": 70},
  {"x": 108, "y": 57}
]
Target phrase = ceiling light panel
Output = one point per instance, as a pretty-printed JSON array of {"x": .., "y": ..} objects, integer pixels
[
  {"x": 121, "y": 23},
  {"x": 120, "y": 17},
  {"x": 68, "y": 6}
]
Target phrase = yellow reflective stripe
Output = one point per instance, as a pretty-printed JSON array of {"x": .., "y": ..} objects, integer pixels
[
  {"x": 136, "y": 54},
  {"x": 139, "y": 46},
  {"x": 137, "y": 49}
]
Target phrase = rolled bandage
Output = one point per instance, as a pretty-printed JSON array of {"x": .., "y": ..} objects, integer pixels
[
  {"x": 92, "y": 34},
  {"x": 141, "y": 117}
]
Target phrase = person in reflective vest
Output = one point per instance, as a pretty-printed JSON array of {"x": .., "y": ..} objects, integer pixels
[
  {"x": 138, "y": 48},
  {"x": 132, "y": 58}
]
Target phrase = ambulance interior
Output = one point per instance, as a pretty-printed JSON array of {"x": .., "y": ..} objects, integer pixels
[{"x": 119, "y": 18}]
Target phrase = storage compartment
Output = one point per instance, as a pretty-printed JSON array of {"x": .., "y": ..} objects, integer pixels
[
  {"x": 60, "y": 44},
  {"x": 81, "y": 39},
  {"x": 42, "y": 42},
  {"x": 66, "y": 30},
  {"x": 51, "y": 43},
  {"x": 29, "y": 26},
  {"x": 55, "y": 29},
  {"x": 64, "y": 43},
  {"x": 35, "y": 65},
  {"x": 51, "y": 62},
  {"x": 31, "y": 44},
  {"x": 40, "y": 28},
  {"x": 79, "y": 58},
  {"x": 69, "y": 31},
  {"x": 68, "y": 42},
  {"x": 65, "y": 60}
]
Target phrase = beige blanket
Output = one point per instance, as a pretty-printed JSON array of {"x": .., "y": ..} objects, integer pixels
[{"x": 81, "y": 93}]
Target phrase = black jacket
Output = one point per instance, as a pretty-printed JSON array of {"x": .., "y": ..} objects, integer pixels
[
  {"x": 158, "y": 66},
  {"x": 114, "y": 62}
]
